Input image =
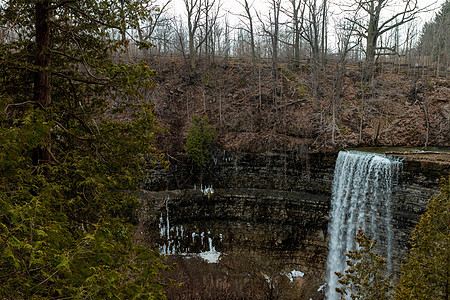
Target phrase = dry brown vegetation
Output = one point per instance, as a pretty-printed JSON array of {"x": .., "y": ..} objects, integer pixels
[
  {"x": 237, "y": 276},
  {"x": 401, "y": 107}
]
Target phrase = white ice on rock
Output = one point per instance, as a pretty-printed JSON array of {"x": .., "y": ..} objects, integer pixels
[
  {"x": 172, "y": 237},
  {"x": 211, "y": 256},
  {"x": 207, "y": 190},
  {"x": 294, "y": 274}
]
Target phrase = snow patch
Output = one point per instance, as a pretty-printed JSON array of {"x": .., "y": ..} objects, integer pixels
[
  {"x": 294, "y": 274},
  {"x": 211, "y": 256}
]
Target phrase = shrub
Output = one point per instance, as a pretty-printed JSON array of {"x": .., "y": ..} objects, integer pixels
[{"x": 200, "y": 140}]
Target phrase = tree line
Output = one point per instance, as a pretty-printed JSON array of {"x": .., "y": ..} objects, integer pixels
[{"x": 297, "y": 30}]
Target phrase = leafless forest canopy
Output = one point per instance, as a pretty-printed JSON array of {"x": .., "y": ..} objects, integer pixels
[{"x": 295, "y": 30}]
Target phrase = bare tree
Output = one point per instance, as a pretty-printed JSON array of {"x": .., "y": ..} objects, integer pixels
[
  {"x": 437, "y": 32},
  {"x": 182, "y": 38},
  {"x": 272, "y": 30},
  {"x": 227, "y": 42},
  {"x": 158, "y": 18},
  {"x": 375, "y": 20},
  {"x": 296, "y": 13},
  {"x": 215, "y": 41},
  {"x": 201, "y": 16},
  {"x": 247, "y": 20},
  {"x": 310, "y": 33},
  {"x": 210, "y": 10},
  {"x": 344, "y": 33},
  {"x": 324, "y": 35},
  {"x": 193, "y": 10}
]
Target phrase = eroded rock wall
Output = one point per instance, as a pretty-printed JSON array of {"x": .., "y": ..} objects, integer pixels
[
  {"x": 278, "y": 225},
  {"x": 271, "y": 205},
  {"x": 418, "y": 182},
  {"x": 288, "y": 171}
]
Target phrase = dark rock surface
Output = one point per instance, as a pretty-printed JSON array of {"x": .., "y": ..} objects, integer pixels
[
  {"x": 277, "y": 224},
  {"x": 274, "y": 205},
  {"x": 418, "y": 182},
  {"x": 289, "y": 171}
]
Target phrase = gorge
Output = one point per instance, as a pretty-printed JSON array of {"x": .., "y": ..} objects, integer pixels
[{"x": 272, "y": 210}]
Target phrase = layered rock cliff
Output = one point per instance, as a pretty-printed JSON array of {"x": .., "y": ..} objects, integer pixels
[{"x": 274, "y": 206}]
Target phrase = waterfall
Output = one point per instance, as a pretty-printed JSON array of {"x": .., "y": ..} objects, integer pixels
[{"x": 361, "y": 196}]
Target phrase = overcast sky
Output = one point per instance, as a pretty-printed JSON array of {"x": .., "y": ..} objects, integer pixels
[{"x": 233, "y": 6}]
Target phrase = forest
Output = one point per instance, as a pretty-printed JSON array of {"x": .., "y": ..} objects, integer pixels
[
  {"x": 303, "y": 74},
  {"x": 94, "y": 93}
]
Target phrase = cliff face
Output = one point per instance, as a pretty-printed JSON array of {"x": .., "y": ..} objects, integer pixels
[
  {"x": 274, "y": 206},
  {"x": 269, "y": 171},
  {"x": 418, "y": 182}
]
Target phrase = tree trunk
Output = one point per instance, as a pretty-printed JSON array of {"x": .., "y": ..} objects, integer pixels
[
  {"x": 295, "y": 19},
  {"x": 275, "y": 39},
  {"x": 297, "y": 46},
  {"x": 252, "y": 45},
  {"x": 42, "y": 59},
  {"x": 41, "y": 88},
  {"x": 323, "y": 42},
  {"x": 259, "y": 87},
  {"x": 191, "y": 32},
  {"x": 141, "y": 39},
  {"x": 315, "y": 57},
  {"x": 369, "y": 64},
  {"x": 373, "y": 32}
]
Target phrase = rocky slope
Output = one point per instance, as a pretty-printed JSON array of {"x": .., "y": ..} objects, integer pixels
[{"x": 400, "y": 107}]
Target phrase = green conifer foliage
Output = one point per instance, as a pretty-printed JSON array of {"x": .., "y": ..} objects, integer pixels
[
  {"x": 75, "y": 137},
  {"x": 201, "y": 138},
  {"x": 435, "y": 38},
  {"x": 366, "y": 276},
  {"x": 426, "y": 273}
]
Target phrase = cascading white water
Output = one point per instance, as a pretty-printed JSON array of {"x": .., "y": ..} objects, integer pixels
[{"x": 361, "y": 196}]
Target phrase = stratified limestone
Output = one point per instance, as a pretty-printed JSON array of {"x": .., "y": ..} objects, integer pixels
[{"x": 271, "y": 205}]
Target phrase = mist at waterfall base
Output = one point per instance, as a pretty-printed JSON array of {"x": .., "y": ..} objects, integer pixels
[{"x": 361, "y": 196}]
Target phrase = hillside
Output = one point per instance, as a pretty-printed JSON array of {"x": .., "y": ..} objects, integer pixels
[{"x": 400, "y": 108}]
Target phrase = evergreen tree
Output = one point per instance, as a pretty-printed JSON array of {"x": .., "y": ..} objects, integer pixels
[
  {"x": 426, "y": 273},
  {"x": 75, "y": 137},
  {"x": 200, "y": 139},
  {"x": 365, "y": 277},
  {"x": 435, "y": 38}
]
